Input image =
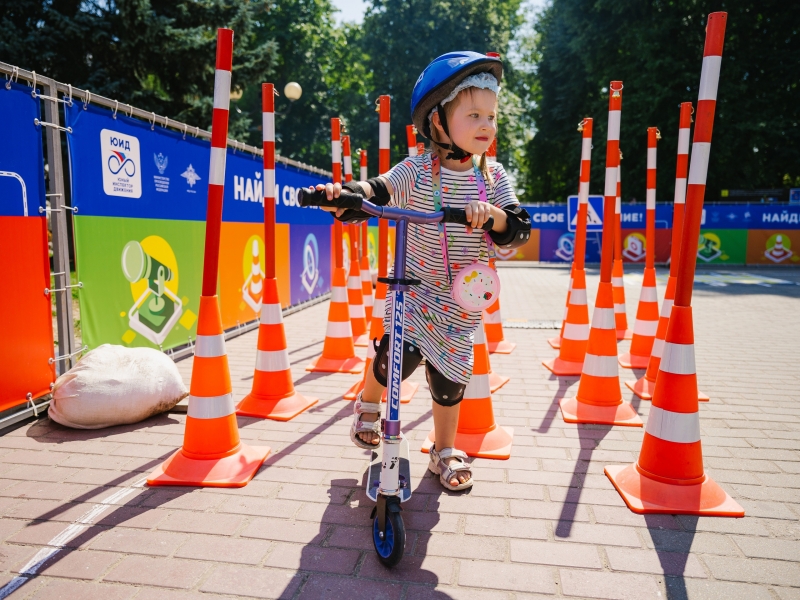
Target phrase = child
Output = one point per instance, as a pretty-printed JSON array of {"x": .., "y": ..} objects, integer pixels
[{"x": 454, "y": 104}]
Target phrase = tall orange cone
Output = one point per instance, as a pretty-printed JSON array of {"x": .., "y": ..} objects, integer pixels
[
  {"x": 555, "y": 342},
  {"x": 599, "y": 399},
  {"x": 645, "y": 386},
  {"x": 621, "y": 317},
  {"x": 575, "y": 329},
  {"x": 646, "y": 324},
  {"x": 478, "y": 434},
  {"x": 366, "y": 275},
  {"x": 273, "y": 395},
  {"x": 669, "y": 476},
  {"x": 338, "y": 352},
  {"x": 212, "y": 454}
]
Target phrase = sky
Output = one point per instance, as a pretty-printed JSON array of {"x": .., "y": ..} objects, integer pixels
[{"x": 353, "y": 10}]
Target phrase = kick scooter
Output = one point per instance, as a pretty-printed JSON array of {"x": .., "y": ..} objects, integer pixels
[{"x": 389, "y": 476}]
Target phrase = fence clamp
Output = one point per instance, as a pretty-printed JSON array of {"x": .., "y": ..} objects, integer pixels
[
  {"x": 51, "y": 360},
  {"x": 48, "y": 291},
  {"x": 37, "y": 122},
  {"x": 13, "y": 77}
]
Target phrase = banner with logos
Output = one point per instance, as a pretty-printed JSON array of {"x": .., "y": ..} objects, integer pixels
[
  {"x": 26, "y": 327},
  {"x": 141, "y": 194},
  {"x": 736, "y": 234}
]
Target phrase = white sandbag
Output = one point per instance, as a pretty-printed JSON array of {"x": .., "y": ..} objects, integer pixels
[{"x": 114, "y": 385}]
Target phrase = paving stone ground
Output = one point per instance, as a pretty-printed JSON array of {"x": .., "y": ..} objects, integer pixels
[{"x": 546, "y": 523}]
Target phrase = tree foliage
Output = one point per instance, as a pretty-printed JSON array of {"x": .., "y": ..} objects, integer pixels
[{"x": 655, "y": 47}]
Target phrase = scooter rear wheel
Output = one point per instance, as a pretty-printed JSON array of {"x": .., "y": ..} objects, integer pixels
[{"x": 390, "y": 549}]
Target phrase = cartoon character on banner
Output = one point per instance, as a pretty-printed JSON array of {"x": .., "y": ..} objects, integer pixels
[
  {"x": 152, "y": 270},
  {"x": 779, "y": 248},
  {"x": 566, "y": 247},
  {"x": 634, "y": 247},
  {"x": 253, "y": 272},
  {"x": 309, "y": 278}
]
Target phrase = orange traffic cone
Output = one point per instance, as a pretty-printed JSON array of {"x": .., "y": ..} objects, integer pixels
[
  {"x": 599, "y": 398},
  {"x": 575, "y": 337},
  {"x": 478, "y": 435},
  {"x": 646, "y": 325},
  {"x": 273, "y": 395},
  {"x": 555, "y": 342},
  {"x": 407, "y": 388},
  {"x": 669, "y": 476},
  {"x": 212, "y": 454},
  {"x": 355, "y": 297},
  {"x": 620, "y": 317},
  {"x": 493, "y": 321},
  {"x": 338, "y": 353},
  {"x": 645, "y": 386},
  {"x": 366, "y": 288}
]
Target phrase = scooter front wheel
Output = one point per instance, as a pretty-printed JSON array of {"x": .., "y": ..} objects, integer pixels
[{"x": 390, "y": 548}]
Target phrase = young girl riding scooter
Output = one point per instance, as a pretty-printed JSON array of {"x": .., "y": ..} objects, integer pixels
[{"x": 454, "y": 104}]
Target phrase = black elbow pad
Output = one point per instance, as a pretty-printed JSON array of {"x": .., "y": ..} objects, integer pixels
[{"x": 518, "y": 230}]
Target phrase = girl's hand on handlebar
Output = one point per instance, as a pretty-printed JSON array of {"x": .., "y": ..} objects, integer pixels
[
  {"x": 477, "y": 214},
  {"x": 332, "y": 190}
]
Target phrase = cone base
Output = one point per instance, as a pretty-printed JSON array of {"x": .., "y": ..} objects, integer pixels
[
  {"x": 495, "y": 444},
  {"x": 633, "y": 361},
  {"x": 362, "y": 341},
  {"x": 579, "y": 412},
  {"x": 647, "y": 496},
  {"x": 274, "y": 408},
  {"x": 336, "y": 365},
  {"x": 562, "y": 368},
  {"x": 407, "y": 391},
  {"x": 497, "y": 381},
  {"x": 644, "y": 388},
  {"x": 501, "y": 347},
  {"x": 555, "y": 343},
  {"x": 235, "y": 470},
  {"x": 624, "y": 334}
]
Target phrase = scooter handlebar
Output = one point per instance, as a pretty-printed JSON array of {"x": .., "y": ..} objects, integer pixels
[
  {"x": 347, "y": 200},
  {"x": 459, "y": 216},
  {"x": 308, "y": 197}
]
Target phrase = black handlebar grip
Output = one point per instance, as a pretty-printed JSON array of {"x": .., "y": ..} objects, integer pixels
[
  {"x": 308, "y": 197},
  {"x": 459, "y": 216}
]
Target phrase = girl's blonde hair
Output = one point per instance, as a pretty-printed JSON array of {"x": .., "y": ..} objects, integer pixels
[{"x": 449, "y": 108}]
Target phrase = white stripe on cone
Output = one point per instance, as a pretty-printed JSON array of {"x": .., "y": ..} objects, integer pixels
[
  {"x": 216, "y": 168},
  {"x": 339, "y": 294},
  {"x": 210, "y": 346},
  {"x": 339, "y": 329},
  {"x": 210, "y": 407},
  {"x": 272, "y": 360},
  {"x": 603, "y": 318},
  {"x": 577, "y": 297},
  {"x": 681, "y": 428},
  {"x": 576, "y": 332},
  {"x": 645, "y": 328},
  {"x": 477, "y": 388},
  {"x": 678, "y": 359},
  {"x": 222, "y": 89},
  {"x": 600, "y": 366},
  {"x": 271, "y": 314}
]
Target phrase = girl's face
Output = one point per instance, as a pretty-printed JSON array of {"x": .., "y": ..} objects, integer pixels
[{"x": 473, "y": 121}]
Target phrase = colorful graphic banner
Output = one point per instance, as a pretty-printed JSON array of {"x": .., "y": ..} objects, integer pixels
[
  {"x": 722, "y": 246},
  {"x": 141, "y": 193},
  {"x": 770, "y": 247},
  {"x": 26, "y": 330}
]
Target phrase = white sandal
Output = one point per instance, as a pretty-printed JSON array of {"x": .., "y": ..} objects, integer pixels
[
  {"x": 446, "y": 472},
  {"x": 359, "y": 426}
]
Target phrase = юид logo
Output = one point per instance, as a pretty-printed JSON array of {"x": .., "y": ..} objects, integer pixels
[{"x": 120, "y": 157}]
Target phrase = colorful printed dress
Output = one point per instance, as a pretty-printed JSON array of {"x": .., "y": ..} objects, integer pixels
[{"x": 442, "y": 330}]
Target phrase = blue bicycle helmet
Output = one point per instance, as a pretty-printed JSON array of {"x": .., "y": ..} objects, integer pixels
[{"x": 440, "y": 78}]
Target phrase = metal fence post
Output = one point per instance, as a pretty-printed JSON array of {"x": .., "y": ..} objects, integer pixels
[{"x": 58, "y": 224}]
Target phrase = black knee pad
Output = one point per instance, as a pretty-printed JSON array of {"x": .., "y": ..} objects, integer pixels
[
  {"x": 411, "y": 359},
  {"x": 443, "y": 391}
]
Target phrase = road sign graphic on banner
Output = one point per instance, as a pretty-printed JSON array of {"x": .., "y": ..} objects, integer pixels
[{"x": 594, "y": 219}]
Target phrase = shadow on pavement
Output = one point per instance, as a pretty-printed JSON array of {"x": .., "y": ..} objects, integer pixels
[{"x": 673, "y": 548}]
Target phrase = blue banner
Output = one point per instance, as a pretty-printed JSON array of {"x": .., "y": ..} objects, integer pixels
[
  {"x": 124, "y": 167},
  {"x": 22, "y": 190}
]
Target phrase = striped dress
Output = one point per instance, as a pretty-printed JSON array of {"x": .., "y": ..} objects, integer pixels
[{"x": 442, "y": 330}]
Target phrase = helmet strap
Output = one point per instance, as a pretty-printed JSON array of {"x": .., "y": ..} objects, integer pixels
[{"x": 455, "y": 153}]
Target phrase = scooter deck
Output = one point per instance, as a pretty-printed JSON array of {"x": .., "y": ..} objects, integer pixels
[{"x": 374, "y": 473}]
